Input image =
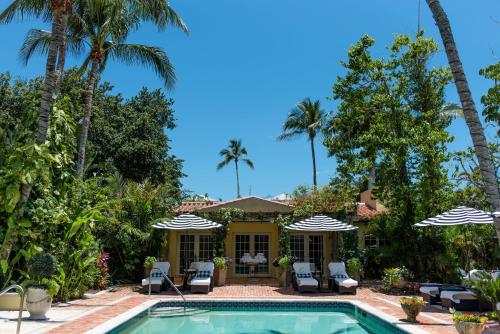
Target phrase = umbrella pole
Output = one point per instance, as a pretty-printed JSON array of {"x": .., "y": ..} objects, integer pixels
[{"x": 467, "y": 251}]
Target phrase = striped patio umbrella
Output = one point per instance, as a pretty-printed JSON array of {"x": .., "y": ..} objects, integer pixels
[
  {"x": 459, "y": 216},
  {"x": 187, "y": 222},
  {"x": 321, "y": 223}
]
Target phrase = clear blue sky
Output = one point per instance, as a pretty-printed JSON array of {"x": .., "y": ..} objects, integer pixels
[{"x": 246, "y": 63}]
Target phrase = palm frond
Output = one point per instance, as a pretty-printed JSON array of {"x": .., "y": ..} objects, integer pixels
[
  {"x": 160, "y": 13},
  {"x": 22, "y": 8},
  {"x": 224, "y": 162},
  {"x": 151, "y": 56},
  {"x": 249, "y": 163},
  {"x": 37, "y": 41}
]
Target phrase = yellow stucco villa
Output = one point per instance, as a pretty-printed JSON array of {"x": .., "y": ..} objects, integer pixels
[{"x": 257, "y": 233}]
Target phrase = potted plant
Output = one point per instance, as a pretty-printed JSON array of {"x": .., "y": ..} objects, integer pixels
[
  {"x": 354, "y": 267},
  {"x": 148, "y": 265},
  {"x": 412, "y": 307},
  {"x": 468, "y": 323},
  {"x": 396, "y": 277},
  {"x": 220, "y": 274},
  {"x": 41, "y": 286},
  {"x": 488, "y": 290},
  {"x": 284, "y": 265}
]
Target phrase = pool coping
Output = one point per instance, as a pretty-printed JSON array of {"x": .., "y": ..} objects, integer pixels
[{"x": 120, "y": 319}]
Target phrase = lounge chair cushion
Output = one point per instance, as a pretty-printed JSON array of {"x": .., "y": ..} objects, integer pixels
[
  {"x": 200, "y": 281},
  {"x": 303, "y": 274},
  {"x": 457, "y": 296},
  {"x": 156, "y": 276},
  {"x": 202, "y": 274},
  {"x": 307, "y": 281},
  {"x": 430, "y": 290},
  {"x": 339, "y": 274}
]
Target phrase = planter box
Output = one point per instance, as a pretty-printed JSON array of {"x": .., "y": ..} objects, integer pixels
[
  {"x": 11, "y": 301},
  {"x": 220, "y": 276}
]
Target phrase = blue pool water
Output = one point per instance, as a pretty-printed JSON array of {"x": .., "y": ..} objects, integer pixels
[{"x": 256, "y": 318}]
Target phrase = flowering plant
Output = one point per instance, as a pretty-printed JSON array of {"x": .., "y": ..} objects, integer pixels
[
  {"x": 468, "y": 317},
  {"x": 412, "y": 301}
]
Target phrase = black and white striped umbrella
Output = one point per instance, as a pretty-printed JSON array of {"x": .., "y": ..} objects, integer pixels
[
  {"x": 321, "y": 223},
  {"x": 187, "y": 222},
  {"x": 459, "y": 216}
]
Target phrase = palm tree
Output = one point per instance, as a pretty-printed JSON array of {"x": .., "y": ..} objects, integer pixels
[
  {"x": 235, "y": 152},
  {"x": 58, "y": 12},
  {"x": 102, "y": 26},
  {"x": 469, "y": 109},
  {"x": 306, "y": 118}
]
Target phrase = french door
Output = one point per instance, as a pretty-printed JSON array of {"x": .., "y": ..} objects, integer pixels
[
  {"x": 251, "y": 244},
  {"x": 308, "y": 248},
  {"x": 194, "y": 247}
]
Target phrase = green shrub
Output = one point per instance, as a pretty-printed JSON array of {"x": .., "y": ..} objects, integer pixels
[
  {"x": 353, "y": 266},
  {"x": 42, "y": 265},
  {"x": 220, "y": 262},
  {"x": 149, "y": 262},
  {"x": 487, "y": 286},
  {"x": 393, "y": 275}
]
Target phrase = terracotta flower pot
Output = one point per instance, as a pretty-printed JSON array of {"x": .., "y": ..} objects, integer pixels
[
  {"x": 400, "y": 284},
  {"x": 220, "y": 276},
  {"x": 469, "y": 327},
  {"x": 38, "y": 303},
  {"x": 412, "y": 311}
]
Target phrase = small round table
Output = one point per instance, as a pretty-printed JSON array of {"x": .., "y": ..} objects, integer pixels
[{"x": 188, "y": 274}]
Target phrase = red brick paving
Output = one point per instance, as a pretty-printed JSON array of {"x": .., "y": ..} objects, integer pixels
[{"x": 388, "y": 304}]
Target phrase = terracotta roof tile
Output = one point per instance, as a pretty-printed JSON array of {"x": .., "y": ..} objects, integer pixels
[
  {"x": 365, "y": 212},
  {"x": 185, "y": 207}
]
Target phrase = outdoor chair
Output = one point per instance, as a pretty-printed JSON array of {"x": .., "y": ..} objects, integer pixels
[
  {"x": 339, "y": 280},
  {"x": 431, "y": 292},
  {"x": 302, "y": 279},
  {"x": 460, "y": 300},
  {"x": 158, "y": 281},
  {"x": 203, "y": 280}
]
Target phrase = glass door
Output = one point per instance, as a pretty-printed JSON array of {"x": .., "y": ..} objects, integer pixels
[
  {"x": 316, "y": 250},
  {"x": 186, "y": 251},
  {"x": 242, "y": 246},
  {"x": 252, "y": 244}
]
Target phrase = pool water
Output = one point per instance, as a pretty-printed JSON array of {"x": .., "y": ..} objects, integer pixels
[{"x": 297, "y": 318}]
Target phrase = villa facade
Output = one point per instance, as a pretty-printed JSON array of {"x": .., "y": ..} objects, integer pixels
[{"x": 257, "y": 233}]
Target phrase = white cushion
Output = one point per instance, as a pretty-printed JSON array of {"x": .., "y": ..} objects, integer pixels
[
  {"x": 456, "y": 296},
  {"x": 346, "y": 282},
  {"x": 337, "y": 268},
  {"x": 200, "y": 281},
  {"x": 429, "y": 290},
  {"x": 154, "y": 280},
  {"x": 164, "y": 266},
  {"x": 307, "y": 281},
  {"x": 302, "y": 267}
]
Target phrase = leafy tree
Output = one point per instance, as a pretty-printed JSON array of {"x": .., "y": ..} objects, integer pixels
[
  {"x": 390, "y": 120},
  {"x": 471, "y": 115},
  {"x": 306, "y": 118},
  {"x": 491, "y": 99},
  {"x": 235, "y": 152},
  {"x": 103, "y": 25}
]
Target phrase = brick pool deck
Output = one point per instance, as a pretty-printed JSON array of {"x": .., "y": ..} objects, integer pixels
[{"x": 105, "y": 306}]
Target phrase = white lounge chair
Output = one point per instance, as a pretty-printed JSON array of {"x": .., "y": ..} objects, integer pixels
[
  {"x": 203, "y": 280},
  {"x": 460, "y": 300},
  {"x": 158, "y": 281},
  {"x": 303, "y": 279},
  {"x": 339, "y": 280}
]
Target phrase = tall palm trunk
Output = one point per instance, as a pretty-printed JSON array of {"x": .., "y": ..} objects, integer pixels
[
  {"x": 61, "y": 55},
  {"x": 49, "y": 88},
  {"x": 87, "y": 111},
  {"x": 469, "y": 109},
  {"x": 315, "y": 183},
  {"x": 237, "y": 180}
]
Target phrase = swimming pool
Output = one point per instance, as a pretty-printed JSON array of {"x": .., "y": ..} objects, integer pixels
[{"x": 255, "y": 317}]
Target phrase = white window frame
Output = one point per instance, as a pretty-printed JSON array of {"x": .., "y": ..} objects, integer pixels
[{"x": 306, "y": 236}]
